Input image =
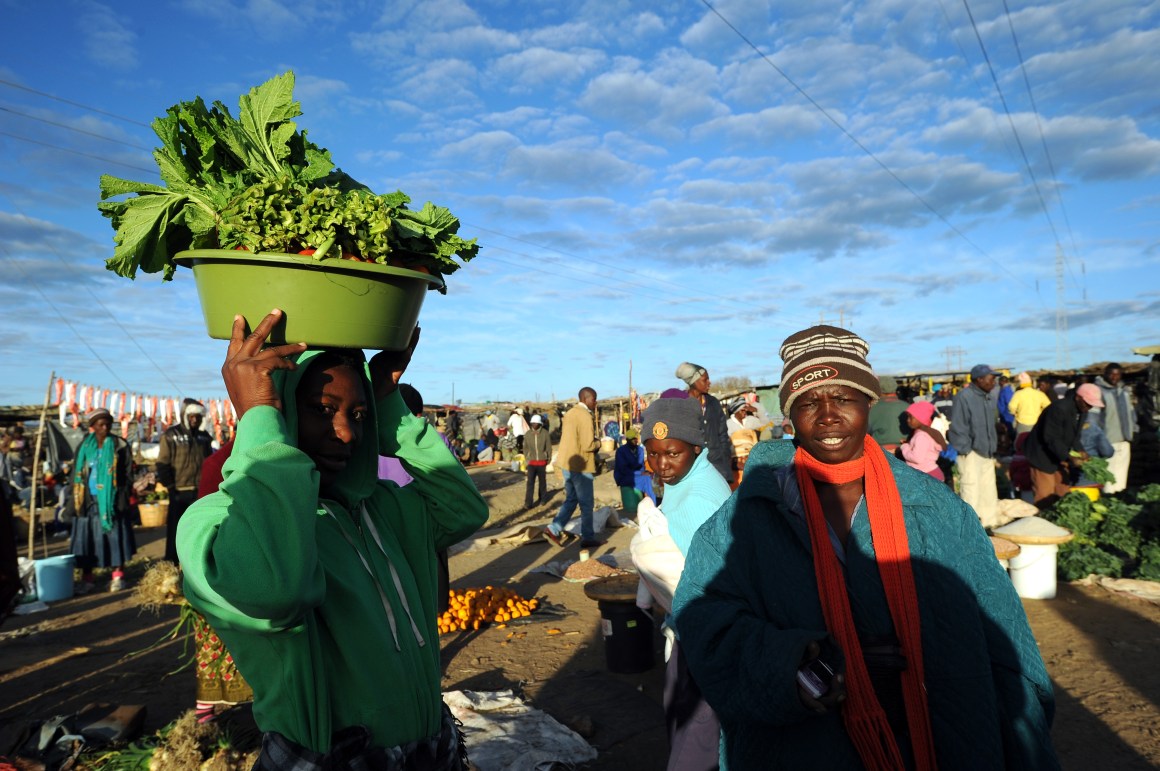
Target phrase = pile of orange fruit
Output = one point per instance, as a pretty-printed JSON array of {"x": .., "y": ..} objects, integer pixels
[{"x": 474, "y": 608}]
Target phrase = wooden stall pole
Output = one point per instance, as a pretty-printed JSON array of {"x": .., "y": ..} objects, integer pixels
[{"x": 36, "y": 472}]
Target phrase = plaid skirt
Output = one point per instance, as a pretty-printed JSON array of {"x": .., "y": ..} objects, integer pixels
[{"x": 350, "y": 750}]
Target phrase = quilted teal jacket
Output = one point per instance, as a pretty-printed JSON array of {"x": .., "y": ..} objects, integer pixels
[{"x": 747, "y": 606}]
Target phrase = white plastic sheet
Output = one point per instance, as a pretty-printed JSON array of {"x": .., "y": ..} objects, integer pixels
[{"x": 504, "y": 734}]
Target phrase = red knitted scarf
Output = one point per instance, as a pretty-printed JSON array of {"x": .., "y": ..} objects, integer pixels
[{"x": 863, "y": 716}]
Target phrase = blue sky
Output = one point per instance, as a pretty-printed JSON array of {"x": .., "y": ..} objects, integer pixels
[{"x": 643, "y": 183}]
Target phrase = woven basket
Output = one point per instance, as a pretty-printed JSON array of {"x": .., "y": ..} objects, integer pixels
[{"x": 154, "y": 514}]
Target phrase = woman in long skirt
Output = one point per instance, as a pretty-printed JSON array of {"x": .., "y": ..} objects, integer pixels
[{"x": 102, "y": 535}]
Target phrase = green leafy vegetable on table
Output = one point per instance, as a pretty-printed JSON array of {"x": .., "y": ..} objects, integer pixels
[{"x": 257, "y": 183}]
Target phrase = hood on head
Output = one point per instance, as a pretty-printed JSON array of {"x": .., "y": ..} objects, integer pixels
[
  {"x": 192, "y": 408},
  {"x": 357, "y": 481}
]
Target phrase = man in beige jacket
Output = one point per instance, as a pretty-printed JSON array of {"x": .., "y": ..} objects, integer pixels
[{"x": 576, "y": 457}]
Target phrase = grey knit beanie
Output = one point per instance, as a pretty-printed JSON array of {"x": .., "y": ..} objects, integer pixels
[
  {"x": 673, "y": 419},
  {"x": 825, "y": 355}
]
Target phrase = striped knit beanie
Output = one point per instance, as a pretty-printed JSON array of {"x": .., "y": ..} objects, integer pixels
[{"x": 825, "y": 355}]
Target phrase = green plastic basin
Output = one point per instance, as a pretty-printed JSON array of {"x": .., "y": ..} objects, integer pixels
[{"x": 328, "y": 303}]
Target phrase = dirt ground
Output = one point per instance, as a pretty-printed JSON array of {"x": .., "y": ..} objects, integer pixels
[{"x": 1100, "y": 649}]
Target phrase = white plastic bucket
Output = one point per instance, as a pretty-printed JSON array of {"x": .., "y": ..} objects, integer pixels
[
  {"x": 54, "y": 578},
  {"x": 1033, "y": 571}
]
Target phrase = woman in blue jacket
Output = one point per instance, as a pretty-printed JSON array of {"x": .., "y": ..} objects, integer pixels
[{"x": 845, "y": 611}]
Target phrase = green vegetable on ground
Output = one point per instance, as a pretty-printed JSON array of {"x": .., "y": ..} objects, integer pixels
[
  {"x": 1111, "y": 538},
  {"x": 257, "y": 183}
]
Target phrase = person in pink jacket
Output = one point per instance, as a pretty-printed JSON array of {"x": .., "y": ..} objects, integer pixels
[{"x": 922, "y": 449}]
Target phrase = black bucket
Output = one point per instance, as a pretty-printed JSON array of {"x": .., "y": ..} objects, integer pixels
[{"x": 628, "y": 637}]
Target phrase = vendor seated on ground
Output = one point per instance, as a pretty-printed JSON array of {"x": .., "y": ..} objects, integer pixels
[{"x": 844, "y": 611}]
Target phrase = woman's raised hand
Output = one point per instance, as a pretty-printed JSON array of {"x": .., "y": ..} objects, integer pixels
[
  {"x": 247, "y": 369},
  {"x": 387, "y": 367}
]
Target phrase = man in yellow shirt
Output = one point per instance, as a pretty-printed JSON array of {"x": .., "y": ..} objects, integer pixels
[{"x": 1028, "y": 403}]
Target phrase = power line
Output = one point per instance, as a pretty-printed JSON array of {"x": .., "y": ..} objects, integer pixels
[
  {"x": 75, "y": 129},
  {"x": 129, "y": 335},
  {"x": 651, "y": 280},
  {"x": 971, "y": 72},
  {"x": 1015, "y": 132},
  {"x": 1039, "y": 125},
  {"x": 639, "y": 287},
  {"x": 861, "y": 146},
  {"x": 46, "y": 95},
  {"x": 74, "y": 330},
  {"x": 648, "y": 288},
  {"x": 592, "y": 260},
  {"x": 610, "y": 287},
  {"x": 77, "y": 152}
]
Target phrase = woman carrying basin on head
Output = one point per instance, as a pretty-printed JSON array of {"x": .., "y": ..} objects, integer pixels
[
  {"x": 843, "y": 610},
  {"x": 320, "y": 578}
]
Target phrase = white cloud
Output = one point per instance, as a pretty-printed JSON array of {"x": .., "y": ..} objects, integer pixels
[
  {"x": 537, "y": 67},
  {"x": 272, "y": 19},
  {"x": 772, "y": 126},
  {"x": 572, "y": 165},
  {"x": 566, "y": 35},
  {"x": 481, "y": 150},
  {"x": 108, "y": 42},
  {"x": 446, "y": 83},
  {"x": 660, "y": 101}
]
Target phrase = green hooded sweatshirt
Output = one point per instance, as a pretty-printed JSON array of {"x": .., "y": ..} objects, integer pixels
[{"x": 328, "y": 606}]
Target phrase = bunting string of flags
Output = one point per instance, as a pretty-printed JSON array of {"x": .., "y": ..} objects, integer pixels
[{"x": 145, "y": 414}]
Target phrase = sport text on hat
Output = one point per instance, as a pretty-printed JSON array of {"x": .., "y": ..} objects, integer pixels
[{"x": 825, "y": 355}]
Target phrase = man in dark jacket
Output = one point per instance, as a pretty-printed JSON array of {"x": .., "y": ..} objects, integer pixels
[
  {"x": 713, "y": 418},
  {"x": 974, "y": 437},
  {"x": 1051, "y": 443},
  {"x": 179, "y": 459}
]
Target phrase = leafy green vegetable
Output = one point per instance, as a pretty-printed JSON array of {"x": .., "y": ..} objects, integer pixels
[
  {"x": 1116, "y": 532},
  {"x": 1096, "y": 471},
  {"x": 1078, "y": 560},
  {"x": 1149, "y": 493},
  {"x": 1149, "y": 568},
  {"x": 1107, "y": 538},
  {"x": 257, "y": 183}
]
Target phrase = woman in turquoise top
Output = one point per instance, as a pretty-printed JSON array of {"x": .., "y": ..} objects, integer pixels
[
  {"x": 102, "y": 535},
  {"x": 694, "y": 489}
]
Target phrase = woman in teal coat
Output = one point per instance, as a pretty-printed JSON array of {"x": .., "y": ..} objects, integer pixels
[{"x": 832, "y": 553}]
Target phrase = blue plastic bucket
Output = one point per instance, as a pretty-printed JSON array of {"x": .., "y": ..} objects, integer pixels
[{"x": 54, "y": 578}]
